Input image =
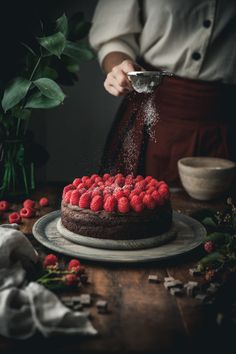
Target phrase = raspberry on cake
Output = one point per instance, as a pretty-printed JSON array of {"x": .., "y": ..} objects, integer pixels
[{"x": 116, "y": 207}]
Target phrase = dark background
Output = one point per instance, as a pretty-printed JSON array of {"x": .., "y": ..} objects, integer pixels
[{"x": 74, "y": 133}]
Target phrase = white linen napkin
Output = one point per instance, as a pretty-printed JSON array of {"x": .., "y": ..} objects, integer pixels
[{"x": 28, "y": 308}]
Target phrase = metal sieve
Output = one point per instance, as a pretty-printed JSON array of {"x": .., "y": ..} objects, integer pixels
[{"x": 146, "y": 81}]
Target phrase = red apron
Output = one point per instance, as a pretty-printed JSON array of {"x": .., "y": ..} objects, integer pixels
[{"x": 192, "y": 118}]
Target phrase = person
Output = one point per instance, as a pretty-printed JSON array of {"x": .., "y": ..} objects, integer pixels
[{"x": 195, "y": 109}]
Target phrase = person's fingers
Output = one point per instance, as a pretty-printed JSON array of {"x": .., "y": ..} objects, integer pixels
[
  {"x": 121, "y": 78},
  {"x": 113, "y": 88},
  {"x": 113, "y": 81},
  {"x": 128, "y": 65}
]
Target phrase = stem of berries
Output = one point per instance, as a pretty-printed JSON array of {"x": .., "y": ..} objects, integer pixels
[{"x": 59, "y": 278}]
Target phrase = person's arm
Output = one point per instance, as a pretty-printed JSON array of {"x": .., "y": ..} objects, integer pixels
[
  {"x": 116, "y": 65},
  {"x": 114, "y": 37}
]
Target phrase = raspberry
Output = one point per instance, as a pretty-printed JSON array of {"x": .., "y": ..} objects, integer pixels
[
  {"x": 158, "y": 198},
  {"x": 98, "y": 179},
  {"x": 123, "y": 205},
  {"x": 150, "y": 190},
  {"x": 134, "y": 192},
  {"x": 139, "y": 178},
  {"x": 81, "y": 185},
  {"x": 50, "y": 260},
  {"x": 164, "y": 191},
  {"x": 108, "y": 183},
  {"x": 67, "y": 196},
  {"x": 84, "y": 178},
  {"x": 105, "y": 196},
  {"x": 149, "y": 201},
  {"x": 14, "y": 218},
  {"x": 129, "y": 179},
  {"x": 100, "y": 184},
  {"x": 118, "y": 193},
  {"x": 136, "y": 204},
  {"x": 107, "y": 190},
  {"x": 28, "y": 203},
  {"x": 136, "y": 200},
  {"x": 27, "y": 212},
  {"x": 130, "y": 187},
  {"x": 92, "y": 178},
  {"x": 76, "y": 182},
  {"x": 120, "y": 181},
  {"x": 96, "y": 191},
  {"x": 153, "y": 183},
  {"x": 43, "y": 202},
  {"x": 88, "y": 183},
  {"x": 160, "y": 183},
  {"x": 209, "y": 246},
  {"x": 118, "y": 175},
  {"x": 148, "y": 178},
  {"x": 82, "y": 190},
  {"x": 111, "y": 179},
  {"x": 74, "y": 265},
  {"x": 110, "y": 203},
  {"x": 138, "y": 208},
  {"x": 96, "y": 203},
  {"x": 4, "y": 205},
  {"x": 84, "y": 201},
  {"x": 140, "y": 185},
  {"x": 70, "y": 279},
  {"x": 126, "y": 192},
  {"x": 142, "y": 194},
  {"x": 106, "y": 176},
  {"x": 67, "y": 188},
  {"x": 75, "y": 196}
]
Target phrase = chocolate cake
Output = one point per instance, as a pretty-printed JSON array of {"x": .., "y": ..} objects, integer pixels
[{"x": 116, "y": 207}]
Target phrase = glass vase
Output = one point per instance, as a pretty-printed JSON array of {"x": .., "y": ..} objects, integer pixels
[{"x": 17, "y": 179}]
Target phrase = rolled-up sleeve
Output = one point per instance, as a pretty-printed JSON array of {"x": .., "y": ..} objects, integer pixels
[{"x": 115, "y": 28}]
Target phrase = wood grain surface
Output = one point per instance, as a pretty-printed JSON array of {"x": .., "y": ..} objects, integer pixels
[{"x": 143, "y": 317}]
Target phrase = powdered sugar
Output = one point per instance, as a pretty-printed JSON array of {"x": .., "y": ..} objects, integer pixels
[
  {"x": 129, "y": 151},
  {"x": 151, "y": 116}
]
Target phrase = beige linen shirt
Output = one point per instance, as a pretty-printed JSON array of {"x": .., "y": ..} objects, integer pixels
[{"x": 191, "y": 38}]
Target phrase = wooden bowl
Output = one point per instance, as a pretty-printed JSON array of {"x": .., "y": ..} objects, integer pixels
[{"x": 206, "y": 178}]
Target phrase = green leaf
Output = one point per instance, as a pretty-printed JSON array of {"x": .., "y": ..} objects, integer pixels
[
  {"x": 54, "y": 44},
  {"x": 213, "y": 260},
  {"x": 15, "y": 91},
  {"x": 77, "y": 51},
  {"x": 209, "y": 222},
  {"x": 37, "y": 100},
  {"x": 73, "y": 68},
  {"x": 218, "y": 238},
  {"x": 71, "y": 64},
  {"x": 50, "y": 89},
  {"x": 62, "y": 25}
]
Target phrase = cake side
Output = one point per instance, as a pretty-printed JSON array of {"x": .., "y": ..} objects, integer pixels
[{"x": 115, "y": 225}]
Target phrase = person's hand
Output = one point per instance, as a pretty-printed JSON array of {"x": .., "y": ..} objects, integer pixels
[{"x": 117, "y": 82}]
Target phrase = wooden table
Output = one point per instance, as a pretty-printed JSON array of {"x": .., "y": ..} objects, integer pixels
[{"x": 143, "y": 317}]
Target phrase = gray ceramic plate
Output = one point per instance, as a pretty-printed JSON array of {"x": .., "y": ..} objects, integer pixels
[
  {"x": 117, "y": 244},
  {"x": 189, "y": 235}
]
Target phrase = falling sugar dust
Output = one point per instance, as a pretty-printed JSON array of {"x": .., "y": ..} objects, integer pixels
[{"x": 147, "y": 116}]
